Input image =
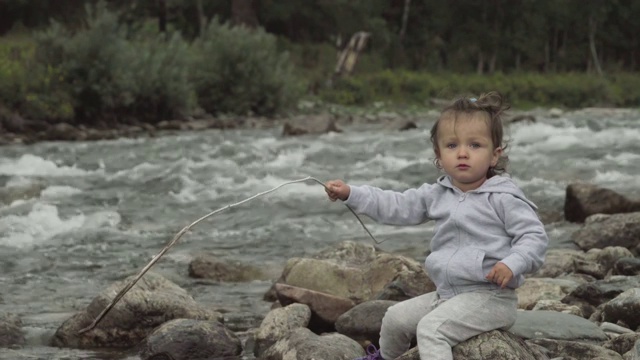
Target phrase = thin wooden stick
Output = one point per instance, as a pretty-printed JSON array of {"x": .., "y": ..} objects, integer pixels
[{"x": 187, "y": 228}]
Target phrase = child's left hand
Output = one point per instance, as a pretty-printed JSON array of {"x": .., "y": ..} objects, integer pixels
[{"x": 500, "y": 274}]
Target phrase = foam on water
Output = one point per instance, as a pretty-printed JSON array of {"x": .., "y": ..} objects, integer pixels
[
  {"x": 32, "y": 165},
  {"x": 53, "y": 192},
  {"x": 39, "y": 225}
]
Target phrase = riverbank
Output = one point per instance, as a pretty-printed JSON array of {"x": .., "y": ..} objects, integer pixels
[{"x": 309, "y": 117}]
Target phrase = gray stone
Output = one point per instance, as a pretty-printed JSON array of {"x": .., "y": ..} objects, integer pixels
[
  {"x": 555, "y": 325},
  {"x": 191, "y": 339}
]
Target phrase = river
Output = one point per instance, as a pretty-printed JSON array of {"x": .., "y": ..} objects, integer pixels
[{"x": 108, "y": 206}]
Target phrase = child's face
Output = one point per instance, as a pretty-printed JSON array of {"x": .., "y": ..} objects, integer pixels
[{"x": 465, "y": 150}]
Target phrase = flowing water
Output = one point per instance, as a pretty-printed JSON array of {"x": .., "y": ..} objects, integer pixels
[{"x": 108, "y": 206}]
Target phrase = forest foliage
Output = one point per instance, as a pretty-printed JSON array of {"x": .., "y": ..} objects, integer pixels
[{"x": 115, "y": 61}]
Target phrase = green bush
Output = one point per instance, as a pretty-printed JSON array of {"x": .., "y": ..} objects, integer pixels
[
  {"x": 238, "y": 70},
  {"x": 30, "y": 88},
  {"x": 113, "y": 76}
]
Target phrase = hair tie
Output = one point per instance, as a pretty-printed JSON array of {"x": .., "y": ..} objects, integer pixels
[{"x": 473, "y": 100}]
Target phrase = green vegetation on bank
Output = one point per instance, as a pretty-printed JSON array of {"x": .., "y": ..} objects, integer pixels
[
  {"x": 570, "y": 90},
  {"x": 109, "y": 71}
]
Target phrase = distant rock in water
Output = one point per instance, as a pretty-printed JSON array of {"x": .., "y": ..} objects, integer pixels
[{"x": 310, "y": 125}]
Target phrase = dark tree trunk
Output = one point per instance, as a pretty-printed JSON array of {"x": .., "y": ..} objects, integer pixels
[
  {"x": 162, "y": 16},
  {"x": 202, "y": 19},
  {"x": 592, "y": 45}
]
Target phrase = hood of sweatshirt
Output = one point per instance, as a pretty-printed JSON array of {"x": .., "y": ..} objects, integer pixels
[{"x": 496, "y": 184}]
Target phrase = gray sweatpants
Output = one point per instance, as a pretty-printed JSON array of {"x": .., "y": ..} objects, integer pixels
[{"x": 441, "y": 324}]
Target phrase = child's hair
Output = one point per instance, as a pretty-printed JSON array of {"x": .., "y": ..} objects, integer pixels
[{"x": 493, "y": 105}]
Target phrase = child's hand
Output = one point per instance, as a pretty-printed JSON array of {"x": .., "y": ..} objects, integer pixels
[
  {"x": 337, "y": 189},
  {"x": 500, "y": 274}
]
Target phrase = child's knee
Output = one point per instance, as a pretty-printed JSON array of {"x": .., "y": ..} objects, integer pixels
[{"x": 428, "y": 328}]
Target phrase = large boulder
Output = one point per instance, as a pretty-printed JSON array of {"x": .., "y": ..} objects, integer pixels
[
  {"x": 494, "y": 344},
  {"x": 303, "y": 344},
  {"x": 600, "y": 231},
  {"x": 358, "y": 272},
  {"x": 153, "y": 301},
  {"x": 10, "y": 330},
  {"x": 583, "y": 200},
  {"x": 310, "y": 125},
  {"x": 186, "y": 339}
]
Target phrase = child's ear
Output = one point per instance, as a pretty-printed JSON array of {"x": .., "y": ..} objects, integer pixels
[{"x": 497, "y": 152}]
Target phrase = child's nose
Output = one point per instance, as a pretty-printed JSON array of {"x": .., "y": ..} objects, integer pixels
[{"x": 462, "y": 152}]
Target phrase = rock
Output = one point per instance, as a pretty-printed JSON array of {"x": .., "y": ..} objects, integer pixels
[
  {"x": 601, "y": 291},
  {"x": 576, "y": 350},
  {"x": 363, "y": 322},
  {"x": 555, "y": 112},
  {"x": 523, "y": 118},
  {"x": 494, "y": 344},
  {"x": 303, "y": 344},
  {"x": 401, "y": 125},
  {"x": 209, "y": 267},
  {"x": 63, "y": 131},
  {"x": 555, "y": 325},
  {"x": 584, "y": 200},
  {"x": 621, "y": 308},
  {"x": 20, "y": 192},
  {"x": 601, "y": 231},
  {"x": 627, "y": 266},
  {"x": 310, "y": 125},
  {"x": 153, "y": 301},
  {"x": 187, "y": 339},
  {"x": 537, "y": 289},
  {"x": 558, "y": 262},
  {"x": 279, "y": 324},
  {"x": 10, "y": 330},
  {"x": 359, "y": 273},
  {"x": 327, "y": 308},
  {"x": 558, "y": 306}
]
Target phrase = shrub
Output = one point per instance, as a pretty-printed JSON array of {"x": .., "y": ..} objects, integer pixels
[
  {"x": 112, "y": 76},
  {"x": 238, "y": 70}
]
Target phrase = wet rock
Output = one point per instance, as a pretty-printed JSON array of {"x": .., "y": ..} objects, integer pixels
[
  {"x": 303, "y": 344},
  {"x": 187, "y": 339},
  {"x": 557, "y": 306},
  {"x": 576, "y": 350},
  {"x": 601, "y": 291},
  {"x": 624, "y": 343},
  {"x": 537, "y": 289},
  {"x": 601, "y": 231},
  {"x": 279, "y": 324},
  {"x": 627, "y": 266},
  {"x": 10, "y": 330},
  {"x": 363, "y": 322},
  {"x": 310, "y": 125},
  {"x": 357, "y": 274},
  {"x": 325, "y": 308},
  {"x": 528, "y": 118},
  {"x": 583, "y": 200},
  {"x": 490, "y": 345},
  {"x": 558, "y": 262},
  {"x": 554, "y": 325},
  {"x": 209, "y": 267},
  {"x": 153, "y": 301},
  {"x": 20, "y": 192},
  {"x": 622, "y": 306}
]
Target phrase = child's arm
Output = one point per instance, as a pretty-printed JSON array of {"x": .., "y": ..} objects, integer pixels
[
  {"x": 384, "y": 206},
  {"x": 529, "y": 238}
]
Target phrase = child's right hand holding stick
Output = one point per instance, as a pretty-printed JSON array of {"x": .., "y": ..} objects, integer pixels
[{"x": 337, "y": 189}]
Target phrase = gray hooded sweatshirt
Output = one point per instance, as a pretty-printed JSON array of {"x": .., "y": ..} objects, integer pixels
[{"x": 473, "y": 230}]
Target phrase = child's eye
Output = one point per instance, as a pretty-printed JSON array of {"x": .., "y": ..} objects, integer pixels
[
  {"x": 451, "y": 146},
  {"x": 475, "y": 145}
]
